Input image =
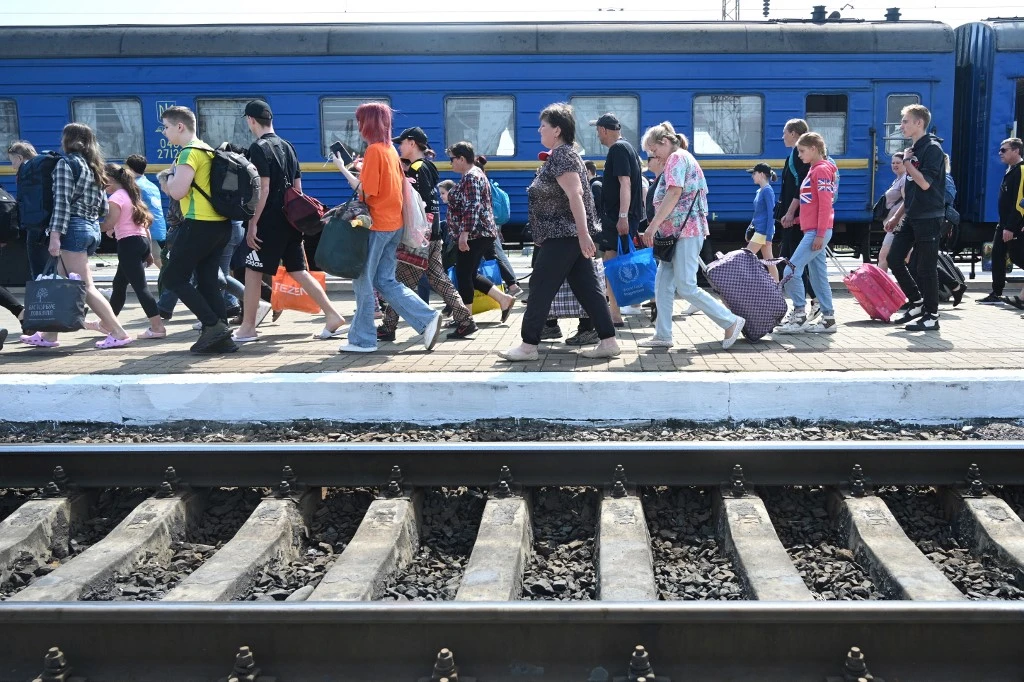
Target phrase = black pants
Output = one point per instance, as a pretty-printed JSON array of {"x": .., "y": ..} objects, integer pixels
[
  {"x": 198, "y": 246},
  {"x": 559, "y": 260},
  {"x": 132, "y": 253},
  {"x": 37, "y": 246},
  {"x": 1000, "y": 249},
  {"x": 8, "y": 301},
  {"x": 791, "y": 237},
  {"x": 921, "y": 235},
  {"x": 466, "y": 265}
]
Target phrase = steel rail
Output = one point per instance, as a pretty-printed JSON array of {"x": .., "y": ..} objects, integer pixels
[
  {"x": 509, "y": 641},
  {"x": 532, "y": 463}
]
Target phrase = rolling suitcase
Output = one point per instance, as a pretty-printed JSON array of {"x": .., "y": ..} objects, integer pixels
[
  {"x": 877, "y": 292},
  {"x": 746, "y": 288}
]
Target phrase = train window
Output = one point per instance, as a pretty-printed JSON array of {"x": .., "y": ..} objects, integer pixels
[
  {"x": 8, "y": 124},
  {"x": 338, "y": 122},
  {"x": 625, "y": 107},
  {"x": 116, "y": 122},
  {"x": 220, "y": 120},
  {"x": 487, "y": 122},
  {"x": 826, "y": 115},
  {"x": 728, "y": 124},
  {"x": 894, "y": 140}
]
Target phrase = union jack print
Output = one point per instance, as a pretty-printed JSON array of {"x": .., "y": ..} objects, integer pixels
[{"x": 826, "y": 185}]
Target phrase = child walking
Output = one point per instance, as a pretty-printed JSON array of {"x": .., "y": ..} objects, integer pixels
[{"x": 763, "y": 223}]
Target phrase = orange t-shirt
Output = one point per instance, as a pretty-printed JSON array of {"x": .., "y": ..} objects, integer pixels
[{"x": 382, "y": 180}]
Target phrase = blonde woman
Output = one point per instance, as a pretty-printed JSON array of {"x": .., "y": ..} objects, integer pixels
[{"x": 680, "y": 202}]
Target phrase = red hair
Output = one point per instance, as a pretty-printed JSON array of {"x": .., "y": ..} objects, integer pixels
[{"x": 374, "y": 119}]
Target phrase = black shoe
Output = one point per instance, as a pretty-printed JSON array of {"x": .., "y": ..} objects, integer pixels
[
  {"x": 911, "y": 311},
  {"x": 958, "y": 295},
  {"x": 551, "y": 332},
  {"x": 583, "y": 338},
  {"x": 926, "y": 323},
  {"x": 384, "y": 335},
  {"x": 990, "y": 299},
  {"x": 446, "y": 312},
  {"x": 3, "y": 337},
  {"x": 463, "y": 330},
  {"x": 654, "y": 312},
  {"x": 234, "y": 311},
  {"x": 210, "y": 337}
]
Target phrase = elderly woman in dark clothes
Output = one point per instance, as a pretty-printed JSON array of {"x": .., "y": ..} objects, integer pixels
[{"x": 562, "y": 218}]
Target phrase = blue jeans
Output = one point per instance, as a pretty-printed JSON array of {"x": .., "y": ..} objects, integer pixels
[
  {"x": 816, "y": 264},
  {"x": 679, "y": 276},
  {"x": 379, "y": 274},
  {"x": 82, "y": 236}
]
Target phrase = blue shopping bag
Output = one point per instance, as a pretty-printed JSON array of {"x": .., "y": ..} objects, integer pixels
[
  {"x": 631, "y": 275},
  {"x": 482, "y": 302}
]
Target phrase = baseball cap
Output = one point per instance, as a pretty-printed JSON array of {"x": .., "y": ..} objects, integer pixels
[
  {"x": 258, "y": 109},
  {"x": 761, "y": 168},
  {"x": 607, "y": 121},
  {"x": 415, "y": 134}
]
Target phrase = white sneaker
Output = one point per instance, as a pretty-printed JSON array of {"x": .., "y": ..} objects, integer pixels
[
  {"x": 432, "y": 332},
  {"x": 107, "y": 293},
  {"x": 797, "y": 324},
  {"x": 690, "y": 309},
  {"x": 825, "y": 325},
  {"x": 262, "y": 310},
  {"x": 351, "y": 348},
  {"x": 631, "y": 310},
  {"x": 737, "y": 329},
  {"x": 655, "y": 342},
  {"x": 815, "y": 309}
]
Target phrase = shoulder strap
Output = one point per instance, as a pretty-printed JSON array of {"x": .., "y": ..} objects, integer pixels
[
  {"x": 199, "y": 189},
  {"x": 792, "y": 167}
]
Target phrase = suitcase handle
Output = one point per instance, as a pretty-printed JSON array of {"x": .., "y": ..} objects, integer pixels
[{"x": 835, "y": 260}]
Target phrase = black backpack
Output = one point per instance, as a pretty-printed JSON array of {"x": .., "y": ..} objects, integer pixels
[
  {"x": 35, "y": 187},
  {"x": 9, "y": 225},
  {"x": 234, "y": 184}
]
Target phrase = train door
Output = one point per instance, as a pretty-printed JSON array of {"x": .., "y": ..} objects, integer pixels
[
  {"x": 1018, "y": 120},
  {"x": 890, "y": 98}
]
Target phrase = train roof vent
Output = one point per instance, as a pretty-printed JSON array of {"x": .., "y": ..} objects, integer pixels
[
  {"x": 892, "y": 14},
  {"x": 818, "y": 13}
]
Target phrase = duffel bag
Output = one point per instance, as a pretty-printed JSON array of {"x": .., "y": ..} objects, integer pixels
[
  {"x": 344, "y": 242},
  {"x": 746, "y": 288}
]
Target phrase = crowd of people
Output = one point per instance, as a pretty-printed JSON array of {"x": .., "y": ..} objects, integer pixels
[{"x": 218, "y": 268}]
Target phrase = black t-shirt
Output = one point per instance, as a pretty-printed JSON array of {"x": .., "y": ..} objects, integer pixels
[
  {"x": 791, "y": 182},
  {"x": 596, "y": 188},
  {"x": 274, "y": 158},
  {"x": 622, "y": 162},
  {"x": 426, "y": 177}
]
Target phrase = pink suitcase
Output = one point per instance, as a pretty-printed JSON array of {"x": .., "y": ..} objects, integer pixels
[{"x": 876, "y": 291}]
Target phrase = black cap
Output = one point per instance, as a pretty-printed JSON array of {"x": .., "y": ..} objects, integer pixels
[
  {"x": 258, "y": 109},
  {"x": 415, "y": 134},
  {"x": 607, "y": 121},
  {"x": 761, "y": 168}
]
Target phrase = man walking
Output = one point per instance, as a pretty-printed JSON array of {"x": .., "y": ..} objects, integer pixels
[{"x": 1008, "y": 239}]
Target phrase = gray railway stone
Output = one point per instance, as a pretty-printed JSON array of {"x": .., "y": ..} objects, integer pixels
[
  {"x": 384, "y": 544},
  {"x": 896, "y": 564},
  {"x": 748, "y": 536},
  {"x": 625, "y": 563},
  {"x": 500, "y": 553},
  {"x": 149, "y": 529},
  {"x": 988, "y": 524},
  {"x": 40, "y": 528},
  {"x": 274, "y": 531}
]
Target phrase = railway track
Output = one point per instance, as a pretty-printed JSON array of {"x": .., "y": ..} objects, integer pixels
[{"x": 547, "y": 561}]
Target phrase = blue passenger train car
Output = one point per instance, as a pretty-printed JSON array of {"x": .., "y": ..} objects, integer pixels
[
  {"x": 989, "y": 108},
  {"x": 730, "y": 87}
]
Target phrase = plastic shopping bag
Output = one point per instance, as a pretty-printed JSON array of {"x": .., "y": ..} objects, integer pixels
[
  {"x": 631, "y": 275},
  {"x": 288, "y": 294}
]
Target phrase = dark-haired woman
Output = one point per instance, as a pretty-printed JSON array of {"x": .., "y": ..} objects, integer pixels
[
  {"x": 128, "y": 220},
  {"x": 471, "y": 224},
  {"x": 562, "y": 217},
  {"x": 508, "y": 275},
  {"x": 74, "y": 230}
]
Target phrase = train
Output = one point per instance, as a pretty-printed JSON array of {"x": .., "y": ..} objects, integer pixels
[{"x": 730, "y": 86}]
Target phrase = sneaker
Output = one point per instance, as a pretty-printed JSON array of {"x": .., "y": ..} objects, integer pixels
[
  {"x": 958, "y": 295},
  {"x": 815, "y": 309},
  {"x": 197, "y": 327},
  {"x": 447, "y": 311},
  {"x": 655, "y": 342},
  {"x": 515, "y": 290},
  {"x": 463, "y": 330},
  {"x": 926, "y": 323},
  {"x": 262, "y": 310},
  {"x": 352, "y": 348},
  {"x": 797, "y": 323},
  {"x": 631, "y": 310},
  {"x": 826, "y": 325},
  {"x": 385, "y": 335},
  {"x": 551, "y": 332},
  {"x": 990, "y": 299},
  {"x": 211, "y": 338},
  {"x": 583, "y": 338},
  {"x": 432, "y": 332},
  {"x": 911, "y": 311},
  {"x": 690, "y": 309}
]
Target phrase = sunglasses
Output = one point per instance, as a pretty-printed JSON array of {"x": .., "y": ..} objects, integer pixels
[{"x": 1003, "y": 150}]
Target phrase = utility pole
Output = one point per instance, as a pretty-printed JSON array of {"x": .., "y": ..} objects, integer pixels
[{"x": 730, "y": 10}]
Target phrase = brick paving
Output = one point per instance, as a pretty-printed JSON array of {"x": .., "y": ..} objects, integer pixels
[{"x": 972, "y": 337}]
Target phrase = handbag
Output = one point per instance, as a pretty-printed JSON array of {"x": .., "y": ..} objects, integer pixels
[
  {"x": 665, "y": 247},
  {"x": 418, "y": 258},
  {"x": 631, "y": 275},
  {"x": 53, "y": 303},
  {"x": 344, "y": 242},
  {"x": 303, "y": 212}
]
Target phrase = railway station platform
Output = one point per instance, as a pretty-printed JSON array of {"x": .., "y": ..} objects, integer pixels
[{"x": 855, "y": 374}]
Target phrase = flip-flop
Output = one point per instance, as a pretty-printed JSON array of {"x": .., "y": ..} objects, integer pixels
[
  {"x": 3, "y": 337},
  {"x": 111, "y": 342},
  {"x": 326, "y": 333},
  {"x": 150, "y": 334},
  {"x": 508, "y": 311},
  {"x": 38, "y": 341},
  {"x": 244, "y": 339}
]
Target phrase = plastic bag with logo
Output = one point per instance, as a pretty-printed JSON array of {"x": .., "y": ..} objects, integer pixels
[
  {"x": 288, "y": 294},
  {"x": 631, "y": 275}
]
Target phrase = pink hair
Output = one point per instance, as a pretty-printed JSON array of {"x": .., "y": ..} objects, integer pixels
[{"x": 374, "y": 119}]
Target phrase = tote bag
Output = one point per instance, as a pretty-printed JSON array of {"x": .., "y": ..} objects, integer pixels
[
  {"x": 53, "y": 303},
  {"x": 344, "y": 247},
  {"x": 288, "y": 294},
  {"x": 631, "y": 275}
]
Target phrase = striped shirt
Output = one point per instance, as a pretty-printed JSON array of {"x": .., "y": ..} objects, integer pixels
[{"x": 83, "y": 198}]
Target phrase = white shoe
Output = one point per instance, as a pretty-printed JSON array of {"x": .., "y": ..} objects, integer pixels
[
  {"x": 737, "y": 329},
  {"x": 631, "y": 310},
  {"x": 825, "y": 325},
  {"x": 198, "y": 326},
  {"x": 815, "y": 309},
  {"x": 262, "y": 310},
  {"x": 690, "y": 309},
  {"x": 107, "y": 293},
  {"x": 432, "y": 332},
  {"x": 655, "y": 342},
  {"x": 351, "y": 348},
  {"x": 796, "y": 324}
]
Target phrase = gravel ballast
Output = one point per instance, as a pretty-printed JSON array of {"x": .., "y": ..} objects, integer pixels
[
  {"x": 561, "y": 566},
  {"x": 687, "y": 562}
]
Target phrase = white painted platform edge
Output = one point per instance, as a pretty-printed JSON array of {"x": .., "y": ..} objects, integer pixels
[{"x": 931, "y": 397}]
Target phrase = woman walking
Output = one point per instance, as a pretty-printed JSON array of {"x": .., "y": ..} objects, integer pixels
[
  {"x": 680, "y": 202},
  {"x": 74, "y": 229},
  {"x": 380, "y": 184},
  {"x": 894, "y": 206},
  {"x": 561, "y": 209}
]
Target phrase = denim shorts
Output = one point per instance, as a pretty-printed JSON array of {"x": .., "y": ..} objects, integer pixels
[{"x": 83, "y": 236}]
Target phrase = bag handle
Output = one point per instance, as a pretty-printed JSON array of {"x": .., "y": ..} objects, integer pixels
[
  {"x": 832, "y": 257},
  {"x": 618, "y": 245}
]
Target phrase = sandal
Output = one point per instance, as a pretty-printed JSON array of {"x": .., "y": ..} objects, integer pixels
[
  {"x": 112, "y": 342},
  {"x": 38, "y": 341},
  {"x": 150, "y": 334},
  {"x": 507, "y": 311},
  {"x": 326, "y": 333},
  {"x": 96, "y": 326}
]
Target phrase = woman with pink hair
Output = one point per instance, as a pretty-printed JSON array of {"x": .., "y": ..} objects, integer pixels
[{"x": 380, "y": 185}]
